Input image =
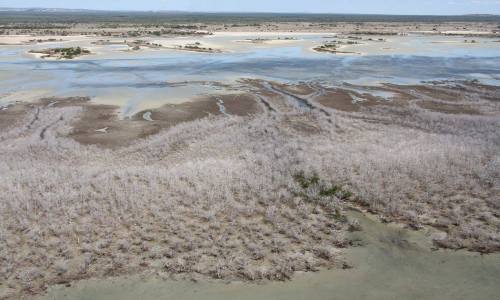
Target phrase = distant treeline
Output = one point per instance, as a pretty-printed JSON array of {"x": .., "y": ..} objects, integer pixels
[{"x": 184, "y": 17}]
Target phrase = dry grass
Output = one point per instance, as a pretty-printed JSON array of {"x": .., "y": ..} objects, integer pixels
[{"x": 255, "y": 197}]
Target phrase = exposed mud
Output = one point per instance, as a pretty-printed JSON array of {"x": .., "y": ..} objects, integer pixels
[
  {"x": 101, "y": 124},
  {"x": 10, "y": 115}
]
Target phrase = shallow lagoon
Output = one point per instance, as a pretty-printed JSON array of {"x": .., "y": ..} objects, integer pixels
[{"x": 138, "y": 80}]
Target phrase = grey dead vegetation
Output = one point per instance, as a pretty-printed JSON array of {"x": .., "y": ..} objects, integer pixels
[{"x": 247, "y": 198}]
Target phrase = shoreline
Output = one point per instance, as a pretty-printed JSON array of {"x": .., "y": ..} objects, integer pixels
[
  {"x": 393, "y": 239},
  {"x": 227, "y": 43}
]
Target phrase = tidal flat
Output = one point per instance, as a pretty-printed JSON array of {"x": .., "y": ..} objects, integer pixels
[{"x": 252, "y": 166}]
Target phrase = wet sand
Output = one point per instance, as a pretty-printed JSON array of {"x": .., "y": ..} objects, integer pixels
[
  {"x": 269, "y": 96},
  {"x": 101, "y": 124},
  {"x": 345, "y": 100}
]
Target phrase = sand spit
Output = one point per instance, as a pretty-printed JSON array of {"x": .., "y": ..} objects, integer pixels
[
  {"x": 258, "y": 193},
  {"x": 136, "y": 45},
  {"x": 195, "y": 48},
  {"x": 267, "y": 40}
]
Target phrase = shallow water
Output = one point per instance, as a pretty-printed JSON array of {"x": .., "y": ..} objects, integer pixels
[
  {"x": 393, "y": 263},
  {"x": 138, "y": 80}
]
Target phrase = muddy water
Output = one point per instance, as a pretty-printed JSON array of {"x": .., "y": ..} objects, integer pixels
[{"x": 392, "y": 263}]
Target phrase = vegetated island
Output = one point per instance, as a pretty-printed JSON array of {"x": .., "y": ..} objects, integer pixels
[
  {"x": 61, "y": 53},
  {"x": 333, "y": 47},
  {"x": 196, "y": 47}
]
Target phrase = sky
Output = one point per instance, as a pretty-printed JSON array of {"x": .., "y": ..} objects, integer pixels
[{"x": 418, "y": 7}]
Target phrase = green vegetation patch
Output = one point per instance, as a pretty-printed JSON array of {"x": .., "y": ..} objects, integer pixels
[
  {"x": 71, "y": 52},
  {"x": 313, "y": 182}
]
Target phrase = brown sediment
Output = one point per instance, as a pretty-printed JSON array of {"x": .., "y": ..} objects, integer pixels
[
  {"x": 272, "y": 98},
  {"x": 447, "y": 97},
  {"x": 335, "y": 98},
  {"x": 448, "y": 108},
  {"x": 343, "y": 100},
  {"x": 478, "y": 86},
  {"x": 432, "y": 91},
  {"x": 240, "y": 104},
  {"x": 114, "y": 131},
  {"x": 101, "y": 124},
  {"x": 12, "y": 114},
  {"x": 172, "y": 114},
  {"x": 120, "y": 132},
  {"x": 95, "y": 117},
  {"x": 297, "y": 89},
  {"x": 430, "y": 96}
]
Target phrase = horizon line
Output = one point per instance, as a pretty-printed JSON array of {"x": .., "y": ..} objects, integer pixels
[{"x": 238, "y": 12}]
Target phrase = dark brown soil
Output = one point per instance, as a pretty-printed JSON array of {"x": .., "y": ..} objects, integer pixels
[
  {"x": 12, "y": 115},
  {"x": 88, "y": 129},
  {"x": 123, "y": 132},
  {"x": 240, "y": 104},
  {"x": 448, "y": 108},
  {"x": 342, "y": 100},
  {"x": 296, "y": 89}
]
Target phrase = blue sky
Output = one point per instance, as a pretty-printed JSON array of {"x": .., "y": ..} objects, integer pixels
[{"x": 446, "y": 7}]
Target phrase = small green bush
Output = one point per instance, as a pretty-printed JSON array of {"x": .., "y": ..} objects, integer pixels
[{"x": 324, "y": 191}]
